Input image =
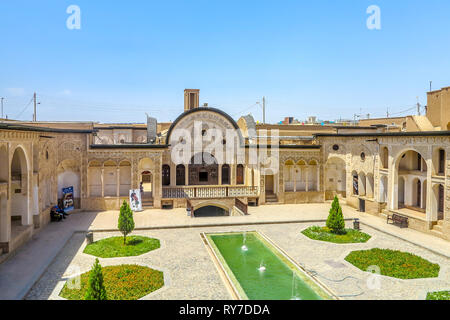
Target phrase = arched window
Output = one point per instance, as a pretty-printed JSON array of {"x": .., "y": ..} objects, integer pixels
[
  {"x": 355, "y": 184},
  {"x": 225, "y": 174},
  {"x": 181, "y": 175},
  {"x": 384, "y": 157},
  {"x": 441, "y": 168},
  {"x": 240, "y": 174},
  {"x": 441, "y": 202},
  {"x": 362, "y": 184},
  {"x": 166, "y": 175}
]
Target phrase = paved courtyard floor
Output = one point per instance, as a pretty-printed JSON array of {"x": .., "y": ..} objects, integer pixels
[
  {"x": 191, "y": 274},
  {"x": 180, "y": 233}
]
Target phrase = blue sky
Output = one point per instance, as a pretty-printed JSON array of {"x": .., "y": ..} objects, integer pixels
[{"x": 307, "y": 57}]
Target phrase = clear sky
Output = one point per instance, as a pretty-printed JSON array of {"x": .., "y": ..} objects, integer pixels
[{"x": 307, "y": 57}]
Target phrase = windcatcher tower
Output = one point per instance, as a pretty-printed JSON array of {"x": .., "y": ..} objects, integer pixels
[{"x": 191, "y": 99}]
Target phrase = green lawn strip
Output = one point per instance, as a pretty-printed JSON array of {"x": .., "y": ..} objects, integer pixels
[
  {"x": 440, "y": 295},
  {"x": 397, "y": 264},
  {"x": 114, "y": 247},
  {"x": 324, "y": 234},
  {"x": 124, "y": 282}
]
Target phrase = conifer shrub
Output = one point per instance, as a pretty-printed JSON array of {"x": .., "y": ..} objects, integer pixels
[{"x": 126, "y": 221}]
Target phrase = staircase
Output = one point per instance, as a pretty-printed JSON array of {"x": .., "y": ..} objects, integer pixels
[
  {"x": 437, "y": 228},
  {"x": 271, "y": 198},
  {"x": 147, "y": 200}
]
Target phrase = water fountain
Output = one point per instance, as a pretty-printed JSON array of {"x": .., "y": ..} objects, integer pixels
[
  {"x": 244, "y": 241},
  {"x": 262, "y": 268}
]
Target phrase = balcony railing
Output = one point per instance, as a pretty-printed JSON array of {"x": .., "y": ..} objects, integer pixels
[{"x": 209, "y": 192}]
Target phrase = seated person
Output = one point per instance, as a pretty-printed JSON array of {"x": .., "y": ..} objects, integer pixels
[
  {"x": 55, "y": 215},
  {"x": 61, "y": 211}
]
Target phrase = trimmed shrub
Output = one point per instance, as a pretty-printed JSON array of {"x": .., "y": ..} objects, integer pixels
[
  {"x": 126, "y": 222},
  {"x": 335, "y": 219},
  {"x": 96, "y": 289}
]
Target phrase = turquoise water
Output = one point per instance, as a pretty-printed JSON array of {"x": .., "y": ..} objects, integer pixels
[{"x": 275, "y": 283}]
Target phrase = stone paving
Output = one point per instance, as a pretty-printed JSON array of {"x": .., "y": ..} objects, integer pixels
[
  {"x": 158, "y": 218},
  {"x": 191, "y": 274}
]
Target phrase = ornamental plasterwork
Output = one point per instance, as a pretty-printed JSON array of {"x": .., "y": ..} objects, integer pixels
[
  {"x": 425, "y": 151},
  {"x": 70, "y": 150},
  {"x": 17, "y": 135},
  {"x": 209, "y": 119},
  {"x": 297, "y": 156}
]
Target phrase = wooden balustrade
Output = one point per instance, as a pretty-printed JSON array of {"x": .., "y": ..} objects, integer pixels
[{"x": 208, "y": 192}]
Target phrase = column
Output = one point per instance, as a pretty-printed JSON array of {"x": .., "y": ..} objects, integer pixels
[
  {"x": 431, "y": 210},
  {"x": 103, "y": 183},
  {"x": 118, "y": 182},
  {"x": 5, "y": 220},
  {"x": 233, "y": 174},
  {"x": 26, "y": 217},
  {"x": 88, "y": 187},
  {"x": 219, "y": 175},
  {"x": 173, "y": 175},
  {"x": 392, "y": 187},
  {"x": 294, "y": 169},
  {"x": 318, "y": 178},
  {"x": 306, "y": 178}
]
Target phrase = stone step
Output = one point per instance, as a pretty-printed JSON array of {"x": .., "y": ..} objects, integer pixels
[
  {"x": 146, "y": 205},
  {"x": 440, "y": 222},
  {"x": 437, "y": 228}
]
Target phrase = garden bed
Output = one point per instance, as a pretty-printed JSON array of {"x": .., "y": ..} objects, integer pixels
[
  {"x": 440, "y": 295},
  {"x": 325, "y": 234},
  {"x": 124, "y": 282},
  {"x": 114, "y": 247},
  {"x": 397, "y": 264}
]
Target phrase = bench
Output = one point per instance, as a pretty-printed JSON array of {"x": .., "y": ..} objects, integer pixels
[{"x": 397, "y": 219}]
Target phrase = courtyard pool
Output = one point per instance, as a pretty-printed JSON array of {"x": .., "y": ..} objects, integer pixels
[{"x": 258, "y": 270}]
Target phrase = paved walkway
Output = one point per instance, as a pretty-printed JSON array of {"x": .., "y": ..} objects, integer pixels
[
  {"x": 28, "y": 263},
  {"x": 20, "y": 272}
]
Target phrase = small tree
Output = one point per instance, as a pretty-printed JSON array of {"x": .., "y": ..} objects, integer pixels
[
  {"x": 96, "y": 289},
  {"x": 126, "y": 222},
  {"x": 335, "y": 219}
]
